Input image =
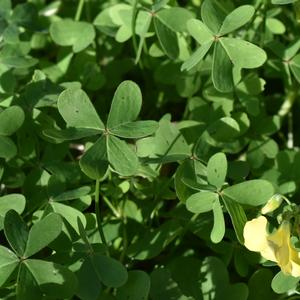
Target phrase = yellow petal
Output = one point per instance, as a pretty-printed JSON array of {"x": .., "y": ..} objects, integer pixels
[
  {"x": 279, "y": 241},
  {"x": 255, "y": 234}
]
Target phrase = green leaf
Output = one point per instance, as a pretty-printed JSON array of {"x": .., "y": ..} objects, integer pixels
[
  {"x": 222, "y": 69},
  {"x": 111, "y": 272},
  {"x": 295, "y": 66},
  {"x": 43, "y": 233},
  {"x": 236, "y": 19},
  {"x": 73, "y": 194},
  {"x": 52, "y": 279},
  {"x": 217, "y": 170},
  {"x": 253, "y": 192},
  {"x": 152, "y": 242},
  {"x": 212, "y": 15},
  {"x": 135, "y": 130},
  {"x": 175, "y": 18},
  {"x": 282, "y": 2},
  {"x": 243, "y": 54},
  {"x": 218, "y": 230},
  {"x": 290, "y": 51},
  {"x": 260, "y": 285},
  {"x": 275, "y": 26},
  {"x": 144, "y": 20},
  {"x": 196, "y": 57},
  {"x": 16, "y": 202},
  {"x": 237, "y": 216},
  {"x": 164, "y": 287},
  {"x": 94, "y": 162},
  {"x": 89, "y": 283},
  {"x": 69, "y": 214},
  {"x": 77, "y": 110},
  {"x": 223, "y": 130},
  {"x": 215, "y": 282},
  {"x": 137, "y": 287},
  {"x": 169, "y": 143},
  {"x": 126, "y": 104},
  {"x": 27, "y": 287},
  {"x": 11, "y": 119},
  {"x": 199, "y": 31},
  {"x": 167, "y": 39},
  {"x": 201, "y": 202},
  {"x": 121, "y": 156},
  {"x": 12, "y": 57},
  {"x": 7, "y": 148},
  {"x": 70, "y": 134},
  {"x": 8, "y": 263},
  {"x": 16, "y": 232},
  {"x": 66, "y": 32},
  {"x": 283, "y": 283}
]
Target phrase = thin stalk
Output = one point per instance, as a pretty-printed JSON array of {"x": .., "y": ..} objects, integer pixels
[
  {"x": 79, "y": 10},
  {"x": 133, "y": 22},
  {"x": 112, "y": 208},
  {"x": 125, "y": 236},
  {"x": 98, "y": 214},
  {"x": 286, "y": 110}
]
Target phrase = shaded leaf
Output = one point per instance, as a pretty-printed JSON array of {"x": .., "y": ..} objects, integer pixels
[
  {"x": 222, "y": 69},
  {"x": 43, "y": 233},
  {"x": 8, "y": 263},
  {"x": 94, "y": 162},
  {"x": 52, "y": 279},
  {"x": 11, "y": 119},
  {"x": 135, "y": 130},
  {"x": 121, "y": 157},
  {"x": 167, "y": 39},
  {"x": 16, "y": 202},
  {"x": 137, "y": 287},
  {"x": 16, "y": 232},
  {"x": 111, "y": 272}
]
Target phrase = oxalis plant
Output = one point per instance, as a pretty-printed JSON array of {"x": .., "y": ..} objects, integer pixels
[{"x": 149, "y": 149}]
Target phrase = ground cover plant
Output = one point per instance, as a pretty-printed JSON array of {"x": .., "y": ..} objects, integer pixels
[{"x": 149, "y": 149}]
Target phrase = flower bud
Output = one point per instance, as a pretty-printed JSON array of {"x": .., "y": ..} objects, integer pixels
[{"x": 273, "y": 203}]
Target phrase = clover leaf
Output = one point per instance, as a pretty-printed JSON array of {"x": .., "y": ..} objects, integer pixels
[
  {"x": 109, "y": 150},
  {"x": 228, "y": 52}
]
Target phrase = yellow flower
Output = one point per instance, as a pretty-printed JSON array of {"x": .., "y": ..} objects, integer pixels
[{"x": 276, "y": 246}]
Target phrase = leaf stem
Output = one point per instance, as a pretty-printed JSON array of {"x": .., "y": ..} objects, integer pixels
[
  {"x": 79, "y": 10},
  {"x": 133, "y": 22},
  {"x": 98, "y": 214}
]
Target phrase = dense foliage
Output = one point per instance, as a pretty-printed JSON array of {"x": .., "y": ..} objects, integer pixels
[{"x": 146, "y": 146}]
